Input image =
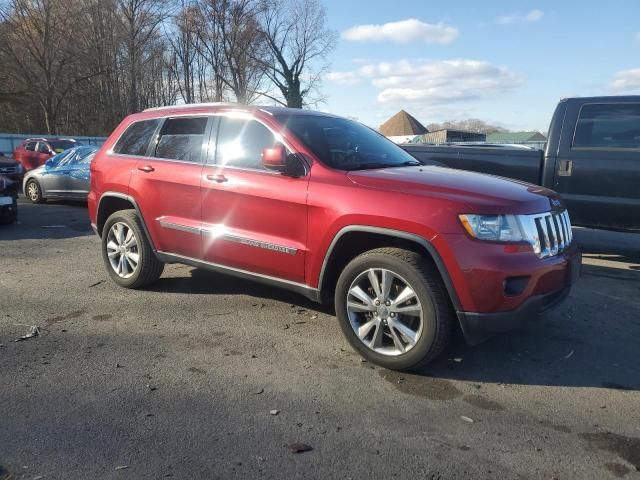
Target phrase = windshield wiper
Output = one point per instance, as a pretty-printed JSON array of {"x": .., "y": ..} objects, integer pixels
[{"x": 374, "y": 165}]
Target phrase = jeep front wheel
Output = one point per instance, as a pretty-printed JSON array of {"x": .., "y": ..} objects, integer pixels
[
  {"x": 393, "y": 308},
  {"x": 126, "y": 251}
]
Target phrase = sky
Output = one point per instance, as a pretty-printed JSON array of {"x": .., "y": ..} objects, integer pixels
[{"x": 505, "y": 62}]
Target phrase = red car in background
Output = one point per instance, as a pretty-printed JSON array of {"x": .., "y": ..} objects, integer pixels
[{"x": 34, "y": 152}]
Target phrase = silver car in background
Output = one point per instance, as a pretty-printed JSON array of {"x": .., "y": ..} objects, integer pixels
[{"x": 64, "y": 176}]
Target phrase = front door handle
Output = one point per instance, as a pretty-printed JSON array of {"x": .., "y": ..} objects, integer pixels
[
  {"x": 217, "y": 178},
  {"x": 146, "y": 169},
  {"x": 565, "y": 168}
]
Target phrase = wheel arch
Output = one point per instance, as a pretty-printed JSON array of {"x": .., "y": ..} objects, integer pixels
[
  {"x": 111, "y": 202},
  {"x": 354, "y": 240}
]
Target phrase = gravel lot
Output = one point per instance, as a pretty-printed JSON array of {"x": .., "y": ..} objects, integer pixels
[{"x": 178, "y": 381}]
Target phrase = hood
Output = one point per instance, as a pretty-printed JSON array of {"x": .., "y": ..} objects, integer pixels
[
  {"x": 7, "y": 162},
  {"x": 480, "y": 193}
]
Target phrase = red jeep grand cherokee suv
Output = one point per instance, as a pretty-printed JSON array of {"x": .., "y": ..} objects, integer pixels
[{"x": 329, "y": 208}]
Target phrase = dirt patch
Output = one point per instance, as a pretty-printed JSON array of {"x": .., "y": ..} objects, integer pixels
[
  {"x": 101, "y": 318},
  {"x": 618, "y": 469},
  {"x": 197, "y": 370},
  {"x": 484, "y": 403},
  {"x": 627, "y": 448},
  {"x": 424, "y": 387},
  {"x": 556, "y": 427},
  {"x": 68, "y": 316}
]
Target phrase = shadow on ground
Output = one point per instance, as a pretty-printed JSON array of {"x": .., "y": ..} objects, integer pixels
[{"x": 50, "y": 220}]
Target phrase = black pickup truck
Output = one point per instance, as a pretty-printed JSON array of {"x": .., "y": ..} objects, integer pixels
[
  {"x": 592, "y": 158},
  {"x": 10, "y": 177}
]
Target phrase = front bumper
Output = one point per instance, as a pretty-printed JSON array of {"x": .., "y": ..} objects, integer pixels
[
  {"x": 8, "y": 206},
  {"x": 477, "y": 327}
]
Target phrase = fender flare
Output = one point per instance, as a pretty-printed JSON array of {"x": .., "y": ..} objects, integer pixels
[
  {"x": 131, "y": 200},
  {"x": 428, "y": 246}
]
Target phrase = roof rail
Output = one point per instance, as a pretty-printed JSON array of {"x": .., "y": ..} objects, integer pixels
[{"x": 191, "y": 105}]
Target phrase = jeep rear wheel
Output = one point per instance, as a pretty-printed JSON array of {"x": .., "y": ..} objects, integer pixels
[
  {"x": 126, "y": 251},
  {"x": 393, "y": 308}
]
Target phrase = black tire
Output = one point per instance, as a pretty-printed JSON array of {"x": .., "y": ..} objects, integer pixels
[
  {"x": 36, "y": 196},
  {"x": 149, "y": 268},
  {"x": 424, "y": 279}
]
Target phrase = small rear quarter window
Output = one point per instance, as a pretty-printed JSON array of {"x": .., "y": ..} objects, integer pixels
[{"x": 136, "y": 138}]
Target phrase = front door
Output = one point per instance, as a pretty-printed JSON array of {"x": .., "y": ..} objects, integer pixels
[
  {"x": 166, "y": 185},
  {"x": 253, "y": 219},
  {"x": 598, "y": 167}
]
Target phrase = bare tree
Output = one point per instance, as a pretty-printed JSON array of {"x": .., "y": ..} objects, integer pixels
[
  {"x": 231, "y": 42},
  {"x": 141, "y": 21},
  {"x": 298, "y": 41},
  {"x": 37, "y": 44}
]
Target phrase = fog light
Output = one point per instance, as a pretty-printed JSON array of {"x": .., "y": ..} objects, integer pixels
[{"x": 514, "y": 286}]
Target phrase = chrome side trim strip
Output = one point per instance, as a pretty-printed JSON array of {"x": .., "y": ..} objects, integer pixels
[
  {"x": 250, "y": 242},
  {"x": 177, "y": 226},
  {"x": 306, "y": 290}
]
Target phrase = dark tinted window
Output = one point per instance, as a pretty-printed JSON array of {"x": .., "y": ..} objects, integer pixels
[
  {"x": 181, "y": 139},
  {"x": 608, "y": 126},
  {"x": 31, "y": 146},
  {"x": 43, "y": 147},
  {"x": 61, "y": 145},
  {"x": 135, "y": 139},
  {"x": 345, "y": 144},
  {"x": 241, "y": 141}
]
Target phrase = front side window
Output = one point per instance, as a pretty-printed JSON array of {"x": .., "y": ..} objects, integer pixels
[
  {"x": 608, "y": 126},
  {"x": 43, "y": 148},
  {"x": 135, "y": 140},
  {"x": 344, "y": 144},
  {"x": 241, "y": 141},
  {"x": 181, "y": 139},
  {"x": 30, "y": 146}
]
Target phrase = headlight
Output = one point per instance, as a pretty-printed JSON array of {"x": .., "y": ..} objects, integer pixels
[{"x": 497, "y": 228}]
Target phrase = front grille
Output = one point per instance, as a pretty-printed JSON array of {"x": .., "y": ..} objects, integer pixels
[
  {"x": 549, "y": 233},
  {"x": 9, "y": 169}
]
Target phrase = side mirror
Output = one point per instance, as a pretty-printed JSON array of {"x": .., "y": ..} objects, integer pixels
[{"x": 277, "y": 159}]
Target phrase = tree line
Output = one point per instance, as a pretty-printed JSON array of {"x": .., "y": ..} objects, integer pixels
[{"x": 80, "y": 66}]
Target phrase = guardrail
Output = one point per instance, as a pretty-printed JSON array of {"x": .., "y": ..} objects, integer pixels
[{"x": 9, "y": 141}]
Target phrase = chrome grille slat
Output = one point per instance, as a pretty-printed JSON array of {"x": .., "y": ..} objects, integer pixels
[{"x": 549, "y": 233}]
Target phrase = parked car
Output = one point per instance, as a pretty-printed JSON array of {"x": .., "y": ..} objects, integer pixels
[
  {"x": 10, "y": 177},
  {"x": 327, "y": 207},
  {"x": 33, "y": 152},
  {"x": 64, "y": 176},
  {"x": 592, "y": 158}
]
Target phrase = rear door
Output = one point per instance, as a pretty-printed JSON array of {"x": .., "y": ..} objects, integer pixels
[
  {"x": 166, "y": 184},
  {"x": 598, "y": 166},
  {"x": 253, "y": 219},
  {"x": 76, "y": 182},
  {"x": 29, "y": 159}
]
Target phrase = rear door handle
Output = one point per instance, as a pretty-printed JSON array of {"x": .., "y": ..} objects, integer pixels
[
  {"x": 217, "y": 178},
  {"x": 146, "y": 169}
]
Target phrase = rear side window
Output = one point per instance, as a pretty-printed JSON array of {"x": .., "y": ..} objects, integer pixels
[
  {"x": 181, "y": 139},
  {"x": 608, "y": 126},
  {"x": 241, "y": 141},
  {"x": 135, "y": 140}
]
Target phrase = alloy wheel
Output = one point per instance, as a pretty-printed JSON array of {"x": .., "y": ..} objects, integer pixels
[
  {"x": 385, "y": 312},
  {"x": 32, "y": 191},
  {"x": 123, "y": 250}
]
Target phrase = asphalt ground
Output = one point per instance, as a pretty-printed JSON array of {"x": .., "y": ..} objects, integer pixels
[{"x": 180, "y": 380}]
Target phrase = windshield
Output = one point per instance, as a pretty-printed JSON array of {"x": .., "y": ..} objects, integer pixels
[
  {"x": 61, "y": 145},
  {"x": 344, "y": 144}
]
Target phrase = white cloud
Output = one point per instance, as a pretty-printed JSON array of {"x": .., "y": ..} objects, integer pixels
[
  {"x": 424, "y": 82},
  {"x": 626, "y": 81},
  {"x": 404, "y": 31},
  {"x": 529, "y": 17}
]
